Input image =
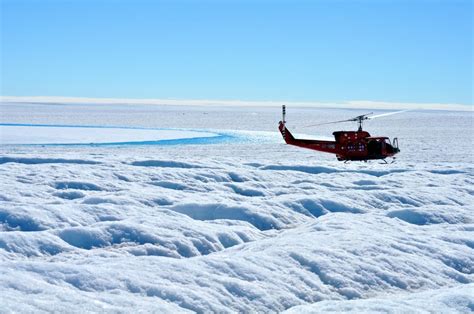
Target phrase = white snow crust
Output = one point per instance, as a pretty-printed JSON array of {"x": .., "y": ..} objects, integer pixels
[
  {"x": 245, "y": 225},
  {"x": 445, "y": 300},
  {"x": 26, "y": 134}
]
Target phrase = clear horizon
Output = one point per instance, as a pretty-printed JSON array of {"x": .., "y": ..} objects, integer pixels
[{"x": 351, "y": 104}]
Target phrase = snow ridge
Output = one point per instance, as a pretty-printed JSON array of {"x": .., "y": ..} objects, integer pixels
[
  {"x": 244, "y": 228},
  {"x": 255, "y": 226}
]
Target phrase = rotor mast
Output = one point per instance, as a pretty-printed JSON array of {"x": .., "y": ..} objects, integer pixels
[{"x": 361, "y": 118}]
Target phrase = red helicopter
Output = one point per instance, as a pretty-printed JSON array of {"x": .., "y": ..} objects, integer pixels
[{"x": 348, "y": 145}]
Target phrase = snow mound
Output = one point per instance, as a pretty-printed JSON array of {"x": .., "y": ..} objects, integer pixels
[
  {"x": 447, "y": 300},
  {"x": 76, "y": 185},
  {"x": 221, "y": 211},
  {"x": 426, "y": 215}
]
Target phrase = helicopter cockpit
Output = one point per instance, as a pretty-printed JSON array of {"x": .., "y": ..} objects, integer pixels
[{"x": 381, "y": 145}]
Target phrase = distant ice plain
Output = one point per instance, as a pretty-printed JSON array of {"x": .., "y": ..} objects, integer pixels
[
  {"x": 249, "y": 224},
  {"x": 69, "y": 135}
]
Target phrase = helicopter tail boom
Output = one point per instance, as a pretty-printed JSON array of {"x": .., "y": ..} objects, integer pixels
[
  {"x": 287, "y": 136},
  {"x": 322, "y": 146}
]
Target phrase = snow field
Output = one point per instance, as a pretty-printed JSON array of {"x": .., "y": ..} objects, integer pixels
[
  {"x": 258, "y": 236},
  {"x": 250, "y": 226}
]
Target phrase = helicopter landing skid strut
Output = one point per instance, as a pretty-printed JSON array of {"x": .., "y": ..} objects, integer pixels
[{"x": 386, "y": 163}]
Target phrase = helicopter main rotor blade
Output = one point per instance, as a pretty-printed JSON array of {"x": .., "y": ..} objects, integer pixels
[
  {"x": 349, "y": 120},
  {"x": 361, "y": 117},
  {"x": 387, "y": 114}
]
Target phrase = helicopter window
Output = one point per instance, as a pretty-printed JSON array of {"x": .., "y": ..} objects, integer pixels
[{"x": 374, "y": 147}]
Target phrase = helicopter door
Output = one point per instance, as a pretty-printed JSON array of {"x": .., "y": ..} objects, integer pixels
[
  {"x": 388, "y": 148},
  {"x": 374, "y": 147},
  {"x": 395, "y": 142}
]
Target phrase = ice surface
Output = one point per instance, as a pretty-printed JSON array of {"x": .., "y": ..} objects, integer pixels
[
  {"x": 445, "y": 300},
  {"x": 34, "y": 134},
  {"x": 242, "y": 225}
]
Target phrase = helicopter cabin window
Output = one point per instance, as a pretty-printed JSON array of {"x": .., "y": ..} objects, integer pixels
[
  {"x": 374, "y": 147},
  {"x": 350, "y": 146},
  {"x": 360, "y": 147}
]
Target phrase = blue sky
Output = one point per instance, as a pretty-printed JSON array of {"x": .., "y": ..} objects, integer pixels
[{"x": 400, "y": 51}]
